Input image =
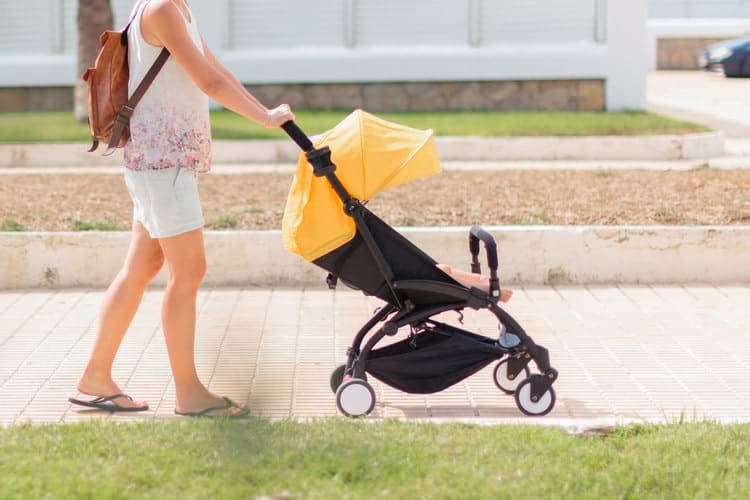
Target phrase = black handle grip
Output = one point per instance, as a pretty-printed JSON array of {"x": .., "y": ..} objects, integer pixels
[
  {"x": 473, "y": 245},
  {"x": 475, "y": 235},
  {"x": 297, "y": 136}
]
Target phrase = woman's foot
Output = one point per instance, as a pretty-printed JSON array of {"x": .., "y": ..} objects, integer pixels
[
  {"x": 105, "y": 387},
  {"x": 206, "y": 404},
  {"x": 107, "y": 403}
]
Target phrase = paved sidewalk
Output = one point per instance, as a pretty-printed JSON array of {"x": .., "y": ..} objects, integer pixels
[
  {"x": 703, "y": 97},
  {"x": 624, "y": 354}
]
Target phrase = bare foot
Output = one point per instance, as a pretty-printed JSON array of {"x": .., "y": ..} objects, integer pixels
[{"x": 92, "y": 386}]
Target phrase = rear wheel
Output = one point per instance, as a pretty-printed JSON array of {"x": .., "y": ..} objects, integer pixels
[
  {"x": 507, "y": 382},
  {"x": 337, "y": 377}
]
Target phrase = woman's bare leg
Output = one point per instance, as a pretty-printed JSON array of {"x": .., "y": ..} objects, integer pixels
[
  {"x": 186, "y": 259},
  {"x": 121, "y": 301}
]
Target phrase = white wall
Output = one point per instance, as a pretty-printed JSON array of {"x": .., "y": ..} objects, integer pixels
[
  {"x": 699, "y": 9},
  {"x": 314, "y": 41}
]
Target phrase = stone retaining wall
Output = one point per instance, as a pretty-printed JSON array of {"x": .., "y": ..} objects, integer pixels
[
  {"x": 571, "y": 95},
  {"x": 681, "y": 53},
  {"x": 15, "y": 99},
  {"x": 529, "y": 255}
]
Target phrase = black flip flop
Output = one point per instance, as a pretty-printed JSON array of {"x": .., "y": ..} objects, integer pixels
[
  {"x": 107, "y": 403},
  {"x": 206, "y": 411}
]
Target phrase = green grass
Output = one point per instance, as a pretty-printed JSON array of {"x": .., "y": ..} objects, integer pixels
[
  {"x": 11, "y": 225},
  {"x": 226, "y": 221},
  {"x": 59, "y": 126},
  {"x": 536, "y": 219},
  {"x": 79, "y": 225},
  {"x": 253, "y": 210},
  {"x": 604, "y": 173},
  {"x": 336, "y": 458}
]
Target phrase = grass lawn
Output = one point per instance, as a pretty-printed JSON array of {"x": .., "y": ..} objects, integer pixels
[
  {"x": 336, "y": 458},
  {"x": 59, "y": 126}
]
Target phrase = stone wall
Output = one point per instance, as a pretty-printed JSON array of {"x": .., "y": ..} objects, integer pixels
[
  {"x": 500, "y": 95},
  {"x": 681, "y": 53},
  {"x": 35, "y": 98},
  {"x": 570, "y": 95}
]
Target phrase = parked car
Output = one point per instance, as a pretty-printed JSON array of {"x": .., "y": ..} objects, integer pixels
[{"x": 733, "y": 56}]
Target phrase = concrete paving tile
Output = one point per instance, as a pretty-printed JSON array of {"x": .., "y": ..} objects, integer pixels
[{"x": 636, "y": 351}]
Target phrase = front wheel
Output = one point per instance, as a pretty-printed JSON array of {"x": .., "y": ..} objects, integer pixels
[{"x": 531, "y": 405}]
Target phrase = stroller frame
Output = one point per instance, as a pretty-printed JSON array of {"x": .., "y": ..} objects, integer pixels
[{"x": 412, "y": 303}]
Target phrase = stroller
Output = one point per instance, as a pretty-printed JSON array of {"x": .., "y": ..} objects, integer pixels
[{"x": 326, "y": 223}]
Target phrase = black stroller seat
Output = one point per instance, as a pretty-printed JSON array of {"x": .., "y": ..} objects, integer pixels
[{"x": 434, "y": 355}]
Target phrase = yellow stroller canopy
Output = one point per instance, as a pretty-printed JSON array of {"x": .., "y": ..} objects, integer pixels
[{"x": 370, "y": 155}]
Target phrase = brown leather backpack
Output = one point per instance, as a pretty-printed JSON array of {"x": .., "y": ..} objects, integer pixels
[{"x": 109, "y": 107}]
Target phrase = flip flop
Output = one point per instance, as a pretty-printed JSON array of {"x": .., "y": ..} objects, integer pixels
[
  {"x": 107, "y": 403},
  {"x": 206, "y": 412}
]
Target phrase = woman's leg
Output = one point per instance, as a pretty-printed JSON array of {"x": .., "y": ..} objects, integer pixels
[
  {"x": 186, "y": 260},
  {"x": 121, "y": 301}
]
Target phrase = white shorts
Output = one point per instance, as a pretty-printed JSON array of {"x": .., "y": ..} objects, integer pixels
[{"x": 165, "y": 201}]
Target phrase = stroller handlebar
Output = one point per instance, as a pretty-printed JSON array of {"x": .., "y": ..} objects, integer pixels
[
  {"x": 477, "y": 234},
  {"x": 297, "y": 136}
]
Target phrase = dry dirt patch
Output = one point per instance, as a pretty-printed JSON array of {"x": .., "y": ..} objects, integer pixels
[{"x": 256, "y": 201}]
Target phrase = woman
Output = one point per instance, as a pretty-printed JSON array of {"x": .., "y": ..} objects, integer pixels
[{"x": 170, "y": 144}]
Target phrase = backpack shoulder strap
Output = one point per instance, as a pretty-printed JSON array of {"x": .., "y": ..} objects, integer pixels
[{"x": 123, "y": 117}]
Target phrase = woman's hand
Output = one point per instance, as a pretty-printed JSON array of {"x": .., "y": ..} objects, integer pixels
[{"x": 278, "y": 116}]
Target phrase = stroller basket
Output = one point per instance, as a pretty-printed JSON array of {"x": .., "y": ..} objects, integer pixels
[{"x": 432, "y": 360}]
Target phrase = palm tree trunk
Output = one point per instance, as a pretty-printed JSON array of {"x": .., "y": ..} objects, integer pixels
[{"x": 94, "y": 16}]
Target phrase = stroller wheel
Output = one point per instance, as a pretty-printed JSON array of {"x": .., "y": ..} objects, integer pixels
[
  {"x": 337, "y": 377},
  {"x": 355, "y": 398},
  {"x": 525, "y": 402},
  {"x": 505, "y": 381}
]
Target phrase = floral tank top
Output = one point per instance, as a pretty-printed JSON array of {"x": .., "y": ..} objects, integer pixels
[{"x": 170, "y": 126}]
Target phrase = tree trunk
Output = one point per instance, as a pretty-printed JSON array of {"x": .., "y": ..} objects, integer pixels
[{"x": 94, "y": 16}]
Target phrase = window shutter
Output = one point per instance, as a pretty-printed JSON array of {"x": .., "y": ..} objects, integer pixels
[
  {"x": 531, "y": 21},
  {"x": 285, "y": 23},
  {"x": 416, "y": 22},
  {"x": 25, "y": 26}
]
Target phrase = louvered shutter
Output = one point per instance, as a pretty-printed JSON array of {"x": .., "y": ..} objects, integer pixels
[
  {"x": 285, "y": 23},
  {"x": 26, "y": 26},
  {"x": 537, "y": 21},
  {"x": 413, "y": 22}
]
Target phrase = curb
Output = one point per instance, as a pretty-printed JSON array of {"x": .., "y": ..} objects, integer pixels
[
  {"x": 658, "y": 148},
  {"x": 529, "y": 255}
]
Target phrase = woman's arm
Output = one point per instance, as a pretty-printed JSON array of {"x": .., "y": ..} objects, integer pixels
[
  {"x": 163, "y": 25},
  {"x": 227, "y": 74}
]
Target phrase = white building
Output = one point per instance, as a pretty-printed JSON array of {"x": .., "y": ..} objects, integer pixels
[{"x": 376, "y": 42}]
